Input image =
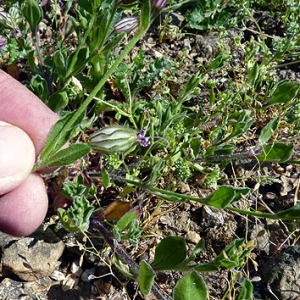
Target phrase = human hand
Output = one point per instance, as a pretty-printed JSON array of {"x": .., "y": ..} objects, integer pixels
[{"x": 24, "y": 201}]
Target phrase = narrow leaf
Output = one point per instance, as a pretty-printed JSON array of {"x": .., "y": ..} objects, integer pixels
[
  {"x": 246, "y": 291},
  {"x": 268, "y": 130},
  {"x": 190, "y": 287},
  {"x": 59, "y": 136},
  {"x": 64, "y": 157},
  {"x": 146, "y": 277},
  {"x": 127, "y": 219},
  {"x": 105, "y": 178},
  {"x": 145, "y": 14}
]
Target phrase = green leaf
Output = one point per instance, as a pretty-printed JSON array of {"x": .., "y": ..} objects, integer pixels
[
  {"x": 190, "y": 287},
  {"x": 126, "y": 220},
  {"x": 198, "y": 248},
  {"x": 240, "y": 128},
  {"x": 58, "y": 100},
  {"x": 105, "y": 178},
  {"x": 59, "y": 135},
  {"x": 32, "y": 13},
  {"x": 288, "y": 214},
  {"x": 190, "y": 86},
  {"x": 169, "y": 253},
  {"x": 278, "y": 152},
  {"x": 145, "y": 15},
  {"x": 60, "y": 62},
  {"x": 284, "y": 92},
  {"x": 232, "y": 256},
  {"x": 77, "y": 61},
  {"x": 146, "y": 277},
  {"x": 39, "y": 86},
  {"x": 219, "y": 61},
  {"x": 246, "y": 291},
  {"x": 77, "y": 216},
  {"x": 220, "y": 198},
  {"x": 268, "y": 130},
  {"x": 64, "y": 157}
]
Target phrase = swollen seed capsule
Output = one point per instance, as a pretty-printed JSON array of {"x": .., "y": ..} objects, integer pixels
[
  {"x": 113, "y": 139},
  {"x": 158, "y": 4},
  {"x": 126, "y": 25}
]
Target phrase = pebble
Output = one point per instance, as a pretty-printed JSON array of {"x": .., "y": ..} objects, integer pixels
[{"x": 193, "y": 237}]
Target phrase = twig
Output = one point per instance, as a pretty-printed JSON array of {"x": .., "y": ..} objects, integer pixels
[{"x": 115, "y": 246}]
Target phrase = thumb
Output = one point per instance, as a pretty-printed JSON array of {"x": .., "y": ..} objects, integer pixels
[{"x": 17, "y": 156}]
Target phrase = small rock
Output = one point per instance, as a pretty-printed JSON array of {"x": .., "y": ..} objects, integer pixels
[
  {"x": 31, "y": 257},
  {"x": 193, "y": 237},
  {"x": 177, "y": 19},
  {"x": 69, "y": 283},
  {"x": 187, "y": 44},
  {"x": 211, "y": 218},
  {"x": 282, "y": 274},
  {"x": 58, "y": 276},
  {"x": 76, "y": 269},
  {"x": 85, "y": 277},
  {"x": 260, "y": 235}
]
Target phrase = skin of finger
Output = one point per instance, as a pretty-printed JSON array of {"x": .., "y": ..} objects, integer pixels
[
  {"x": 24, "y": 209},
  {"x": 20, "y": 107}
]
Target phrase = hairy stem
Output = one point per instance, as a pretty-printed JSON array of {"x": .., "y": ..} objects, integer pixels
[{"x": 115, "y": 246}]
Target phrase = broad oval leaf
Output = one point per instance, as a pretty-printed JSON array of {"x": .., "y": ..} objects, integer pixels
[
  {"x": 278, "y": 152},
  {"x": 169, "y": 253},
  {"x": 32, "y": 13},
  {"x": 190, "y": 287},
  {"x": 284, "y": 92},
  {"x": 220, "y": 198}
]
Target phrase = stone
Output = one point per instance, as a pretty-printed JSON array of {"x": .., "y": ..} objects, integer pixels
[
  {"x": 32, "y": 257},
  {"x": 281, "y": 274},
  {"x": 260, "y": 235},
  {"x": 193, "y": 237}
]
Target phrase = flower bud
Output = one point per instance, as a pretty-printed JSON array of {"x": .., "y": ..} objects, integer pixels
[
  {"x": 126, "y": 24},
  {"x": 112, "y": 139},
  {"x": 3, "y": 42},
  {"x": 158, "y": 4}
]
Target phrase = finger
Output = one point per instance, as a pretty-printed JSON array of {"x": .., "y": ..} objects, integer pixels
[
  {"x": 20, "y": 107},
  {"x": 17, "y": 157},
  {"x": 23, "y": 209}
]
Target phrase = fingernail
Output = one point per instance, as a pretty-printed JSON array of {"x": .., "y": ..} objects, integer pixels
[{"x": 17, "y": 156}]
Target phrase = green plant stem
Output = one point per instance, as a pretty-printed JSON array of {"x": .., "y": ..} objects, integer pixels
[
  {"x": 103, "y": 80},
  {"x": 115, "y": 246},
  {"x": 253, "y": 213}
]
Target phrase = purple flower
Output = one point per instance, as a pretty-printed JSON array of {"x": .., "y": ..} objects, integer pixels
[
  {"x": 144, "y": 141},
  {"x": 158, "y": 4},
  {"x": 3, "y": 42},
  {"x": 126, "y": 24}
]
